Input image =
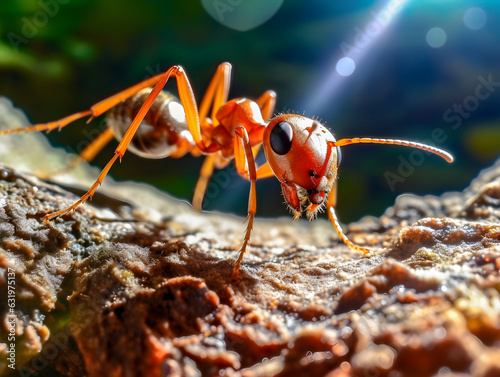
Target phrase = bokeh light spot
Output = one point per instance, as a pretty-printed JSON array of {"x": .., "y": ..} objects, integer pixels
[
  {"x": 475, "y": 18},
  {"x": 436, "y": 37},
  {"x": 345, "y": 66}
]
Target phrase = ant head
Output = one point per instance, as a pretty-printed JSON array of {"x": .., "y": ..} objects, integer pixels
[{"x": 302, "y": 154}]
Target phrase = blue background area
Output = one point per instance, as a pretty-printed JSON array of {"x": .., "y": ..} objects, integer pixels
[{"x": 58, "y": 57}]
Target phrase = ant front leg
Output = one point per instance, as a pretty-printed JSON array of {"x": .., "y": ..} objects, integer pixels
[{"x": 244, "y": 158}]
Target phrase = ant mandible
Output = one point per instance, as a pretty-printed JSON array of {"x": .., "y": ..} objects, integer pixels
[{"x": 300, "y": 151}]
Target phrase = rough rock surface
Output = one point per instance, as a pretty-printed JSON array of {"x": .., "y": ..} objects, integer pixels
[{"x": 141, "y": 286}]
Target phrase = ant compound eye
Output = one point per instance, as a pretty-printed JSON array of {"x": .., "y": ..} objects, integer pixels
[{"x": 281, "y": 138}]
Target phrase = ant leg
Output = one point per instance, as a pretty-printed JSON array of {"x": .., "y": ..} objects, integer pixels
[
  {"x": 445, "y": 155},
  {"x": 267, "y": 102},
  {"x": 91, "y": 150},
  {"x": 59, "y": 124},
  {"x": 88, "y": 154},
  {"x": 96, "y": 110},
  {"x": 201, "y": 185},
  {"x": 245, "y": 163},
  {"x": 106, "y": 104},
  {"x": 217, "y": 91},
  {"x": 206, "y": 173},
  {"x": 120, "y": 150},
  {"x": 87, "y": 195},
  {"x": 188, "y": 101},
  {"x": 215, "y": 96},
  {"x": 264, "y": 171},
  {"x": 330, "y": 207}
]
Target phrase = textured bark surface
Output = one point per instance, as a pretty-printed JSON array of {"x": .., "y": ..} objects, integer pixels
[{"x": 141, "y": 285}]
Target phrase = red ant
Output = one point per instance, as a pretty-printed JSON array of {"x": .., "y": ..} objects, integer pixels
[{"x": 300, "y": 151}]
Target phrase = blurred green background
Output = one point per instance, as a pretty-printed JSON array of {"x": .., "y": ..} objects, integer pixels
[{"x": 423, "y": 70}]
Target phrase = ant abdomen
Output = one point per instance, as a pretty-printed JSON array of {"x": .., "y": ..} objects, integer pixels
[{"x": 163, "y": 131}]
